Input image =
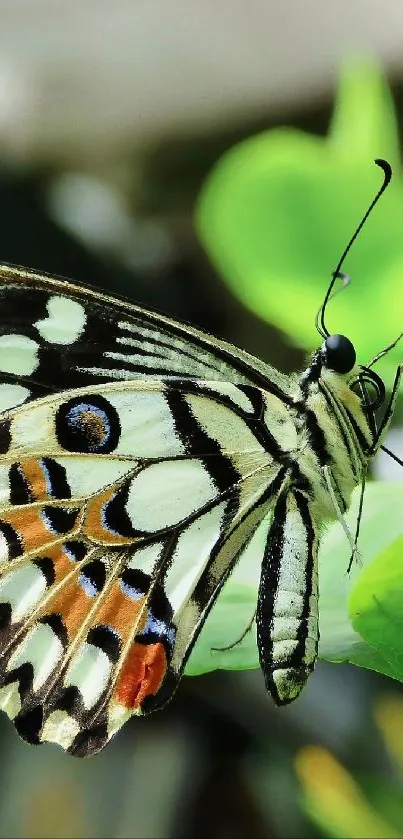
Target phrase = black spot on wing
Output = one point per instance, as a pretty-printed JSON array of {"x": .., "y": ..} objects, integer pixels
[
  {"x": 5, "y": 615},
  {"x": 20, "y": 490},
  {"x": 158, "y": 626},
  {"x": 93, "y": 577},
  {"x": 89, "y": 741},
  {"x": 115, "y": 516},
  {"x": 46, "y": 566},
  {"x": 5, "y": 436},
  {"x": 134, "y": 583},
  {"x": 58, "y": 520},
  {"x": 12, "y": 539},
  {"x": 69, "y": 699},
  {"x": 106, "y": 639},
  {"x": 75, "y": 550},
  {"x": 89, "y": 425},
  {"x": 56, "y": 479},
  {"x": 29, "y": 724}
]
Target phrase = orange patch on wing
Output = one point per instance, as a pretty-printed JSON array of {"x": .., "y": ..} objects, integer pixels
[
  {"x": 121, "y": 613},
  {"x": 142, "y": 674},
  {"x": 72, "y": 603},
  {"x": 92, "y": 524},
  {"x": 30, "y": 527},
  {"x": 34, "y": 475}
]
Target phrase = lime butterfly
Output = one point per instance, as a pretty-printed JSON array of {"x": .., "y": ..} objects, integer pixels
[{"x": 138, "y": 456}]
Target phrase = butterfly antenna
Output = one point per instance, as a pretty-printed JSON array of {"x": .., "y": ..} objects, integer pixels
[
  {"x": 392, "y": 455},
  {"x": 320, "y": 319},
  {"x": 346, "y": 280},
  {"x": 385, "y": 350}
]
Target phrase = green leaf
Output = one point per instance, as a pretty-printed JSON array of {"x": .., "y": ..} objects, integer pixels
[
  {"x": 278, "y": 210},
  {"x": 382, "y": 524},
  {"x": 375, "y": 607}
]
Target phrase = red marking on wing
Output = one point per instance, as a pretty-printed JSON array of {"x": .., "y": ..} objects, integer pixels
[{"x": 142, "y": 674}]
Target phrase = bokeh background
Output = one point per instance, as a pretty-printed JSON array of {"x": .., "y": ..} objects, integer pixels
[{"x": 111, "y": 117}]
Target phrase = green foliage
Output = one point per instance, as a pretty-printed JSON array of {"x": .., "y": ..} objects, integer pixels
[
  {"x": 375, "y": 605},
  {"x": 278, "y": 210}
]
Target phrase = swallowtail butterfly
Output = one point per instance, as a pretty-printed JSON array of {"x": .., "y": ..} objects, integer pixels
[{"x": 137, "y": 458}]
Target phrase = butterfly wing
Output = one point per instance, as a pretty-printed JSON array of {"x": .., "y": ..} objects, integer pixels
[
  {"x": 123, "y": 509},
  {"x": 56, "y": 336}
]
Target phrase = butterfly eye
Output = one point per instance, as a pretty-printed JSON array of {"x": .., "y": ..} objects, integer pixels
[
  {"x": 87, "y": 425},
  {"x": 339, "y": 353}
]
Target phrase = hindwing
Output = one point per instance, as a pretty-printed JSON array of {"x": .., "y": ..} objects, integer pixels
[{"x": 123, "y": 509}]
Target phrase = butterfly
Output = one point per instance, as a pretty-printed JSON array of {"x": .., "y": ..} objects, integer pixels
[{"x": 138, "y": 456}]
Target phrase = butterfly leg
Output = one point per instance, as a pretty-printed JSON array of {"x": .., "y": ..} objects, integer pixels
[
  {"x": 352, "y": 540},
  {"x": 287, "y": 612},
  {"x": 238, "y": 640},
  {"x": 385, "y": 422}
]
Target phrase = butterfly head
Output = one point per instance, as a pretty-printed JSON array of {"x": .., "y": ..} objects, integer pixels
[{"x": 338, "y": 355}]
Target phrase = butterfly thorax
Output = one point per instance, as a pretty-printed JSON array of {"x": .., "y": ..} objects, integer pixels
[{"x": 330, "y": 415}]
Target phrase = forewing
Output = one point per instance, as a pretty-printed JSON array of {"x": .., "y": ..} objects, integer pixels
[
  {"x": 57, "y": 336},
  {"x": 122, "y": 511}
]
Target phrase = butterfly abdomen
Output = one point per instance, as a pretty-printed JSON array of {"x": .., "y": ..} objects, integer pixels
[
  {"x": 325, "y": 464},
  {"x": 287, "y": 612}
]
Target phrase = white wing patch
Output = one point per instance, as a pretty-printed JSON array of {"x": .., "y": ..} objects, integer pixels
[
  {"x": 147, "y": 424},
  {"x": 166, "y": 493},
  {"x": 4, "y": 550},
  {"x": 42, "y": 649},
  {"x": 237, "y": 396},
  {"x": 4, "y": 485},
  {"x": 89, "y": 670},
  {"x": 223, "y": 425},
  {"x": 146, "y": 558},
  {"x": 65, "y": 322},
  {"x": 191, "y": 555},
  {"x": 33, "y": 429},
  {"x": 59, "y": 728},
  {"x": 18, "y": 355},
  {"x": 88, "y": 475},
  {"x": 12, "y": 395},
  {"x": 22, "y": 588},
  {"x": 10, "y": 701}
]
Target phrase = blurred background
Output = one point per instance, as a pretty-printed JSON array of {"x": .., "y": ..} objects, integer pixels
[{"x": 111, "y": 117}]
